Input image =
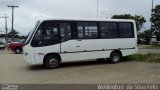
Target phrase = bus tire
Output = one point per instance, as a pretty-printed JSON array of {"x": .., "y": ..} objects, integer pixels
[
  {"x": 52, "y": 62},
  {"x": 18, "y": 50},
  {"x": 115, "y": 57}
]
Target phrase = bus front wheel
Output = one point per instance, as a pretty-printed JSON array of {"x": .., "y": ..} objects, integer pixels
[
  {"x": 52, "y": 62},
  {"x": 115, "y": 57}
]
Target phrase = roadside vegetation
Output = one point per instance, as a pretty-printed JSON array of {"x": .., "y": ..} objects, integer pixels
[
  {"x": 150, "y": 57},
  {"x": 153, "y": 46},
  {"x": 156, "y": 46}
]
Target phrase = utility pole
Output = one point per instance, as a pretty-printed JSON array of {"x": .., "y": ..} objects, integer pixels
[
  {"x": 97, "y": 8},
  {"x": 151, "y": 19},
  {"x": 152, "y": 12},
  {"x": 12, "y": 19},
  {"x": 6, "y": 35}
]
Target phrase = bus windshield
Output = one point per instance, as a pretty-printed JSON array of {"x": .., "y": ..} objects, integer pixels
[{"x": 31, "y": 33}]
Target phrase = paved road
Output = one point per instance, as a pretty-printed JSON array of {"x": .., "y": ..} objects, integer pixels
[
  {"x": 144, "y": 51},
  {"x": 14, "y": 70}
]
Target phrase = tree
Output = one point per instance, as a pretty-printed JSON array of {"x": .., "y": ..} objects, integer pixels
[
  {"x": 14, "y": 32},
  {"x": 2, "y": 35},
  {"x": 140, "y": 20},
  {"x": 146, "y": 36},
  {"x": 155, "y": 19}
]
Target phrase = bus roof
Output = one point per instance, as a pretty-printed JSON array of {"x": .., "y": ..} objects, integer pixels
[{"x": 88, "y": 19}]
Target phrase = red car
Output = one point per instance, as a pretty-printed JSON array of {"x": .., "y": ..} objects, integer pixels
[{"x": 16, "y": 47}]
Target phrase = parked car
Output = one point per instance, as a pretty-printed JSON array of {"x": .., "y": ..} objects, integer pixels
[
  {"x": 16, "y": 47},
  {"x": 2, "y": 45}
]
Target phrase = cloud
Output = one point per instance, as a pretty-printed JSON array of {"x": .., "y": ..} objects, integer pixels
[{"x": 31, "y": 10}]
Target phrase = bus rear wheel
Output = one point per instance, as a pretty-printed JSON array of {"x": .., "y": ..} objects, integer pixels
[
  {"x": 115, "y": 57},
  {"x": 52, "y": 62}
]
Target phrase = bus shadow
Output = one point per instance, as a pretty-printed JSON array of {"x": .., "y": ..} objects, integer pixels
[
  {"x": 36, "y": 67},
  {"x": 68, "y": 65},
  {"x": 74, "y": 64},
  {"x": 82, "y": 63}
]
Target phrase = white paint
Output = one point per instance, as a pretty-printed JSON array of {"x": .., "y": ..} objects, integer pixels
[{"x": 32, "y": 55}]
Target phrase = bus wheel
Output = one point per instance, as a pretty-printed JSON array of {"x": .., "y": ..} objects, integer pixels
[
  {"x": 52, "y": 62},
  {"x": 115, "y": 57}
]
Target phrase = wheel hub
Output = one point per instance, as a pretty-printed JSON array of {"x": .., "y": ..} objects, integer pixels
[
  {"x": 116, "y": 58},
  {"x": 53, "y": 62}
]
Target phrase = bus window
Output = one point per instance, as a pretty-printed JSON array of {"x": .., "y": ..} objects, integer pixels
[
  {"x": 50, "y": 36},
  {"x": 47, "y": 34},
  {"x": 37, "y": 40},
  {"x": 65, "y": 32},
  {"x": 109, "y": 30},
  {"x": 82, "y": 30},
  {"x": 87, "y": 30},
  {"x": 126, "y": 30},
  {"x": 93, "y": 30}
]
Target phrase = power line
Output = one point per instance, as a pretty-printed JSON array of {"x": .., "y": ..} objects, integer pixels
[
  {"x": 19, "y": 26},
  {"x": 17, "y": 23},
  {"x": 12, "y": 19},
  {"x": 2, "y": 24}
]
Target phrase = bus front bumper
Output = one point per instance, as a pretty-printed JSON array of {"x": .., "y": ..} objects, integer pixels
[{"x": 30, "y": 59}]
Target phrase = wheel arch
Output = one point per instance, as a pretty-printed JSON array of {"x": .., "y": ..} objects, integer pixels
[
  {"x": 117, "y": 51},
  {"x": 48, "y": 54}
]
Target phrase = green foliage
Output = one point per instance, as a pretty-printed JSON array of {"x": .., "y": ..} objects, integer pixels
[
  {"x": 2, "y": 35},
  {"x": 140, "y": 20},
  {"x": 155, "y": 19},
  {"x": 146, "y": 35},
  {"x": 150, "y": 57},
  {"x": 16, "y": 35},
  {"x": 13, "y": 32},
  {"x": 156, "y": 46}
]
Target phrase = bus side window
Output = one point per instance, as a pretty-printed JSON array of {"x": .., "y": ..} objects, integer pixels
[
  {"x": 108, "y": 30},
  {"x": 126, "y": 30},
  {"x": 50, "y": 35},
  {"x": 87, "y": 30},
  {"x": 93, "y": 30},
  {"x": 65, "y": 32}
]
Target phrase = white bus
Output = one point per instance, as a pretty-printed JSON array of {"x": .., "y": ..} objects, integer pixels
[{"x": 61, "y": 40}]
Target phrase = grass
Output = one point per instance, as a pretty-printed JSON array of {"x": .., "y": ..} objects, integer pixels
[
  {"x": 153, "y": 46},
  {"x": 156, "y": 46},
  {"x": 150, "y": 57}
]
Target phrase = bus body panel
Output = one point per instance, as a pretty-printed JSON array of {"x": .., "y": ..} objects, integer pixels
[
  {"x": 88, "y": 49},
  {"x": 29, "y": 54},
  {"x": 38, "y": 53},
  {"x": 84, "y": 56},
  {"x": 83, "y": 49},
  {"x": 96, "y": 48}
]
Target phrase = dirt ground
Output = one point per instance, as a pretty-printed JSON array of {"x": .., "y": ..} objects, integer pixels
[{"x": 14, "y": 70}]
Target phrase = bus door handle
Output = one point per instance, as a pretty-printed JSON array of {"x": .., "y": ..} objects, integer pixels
[{"x": 77, "y": 46}]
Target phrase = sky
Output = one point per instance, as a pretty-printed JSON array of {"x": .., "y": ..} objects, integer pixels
[{"x": 29, "y": 11}]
